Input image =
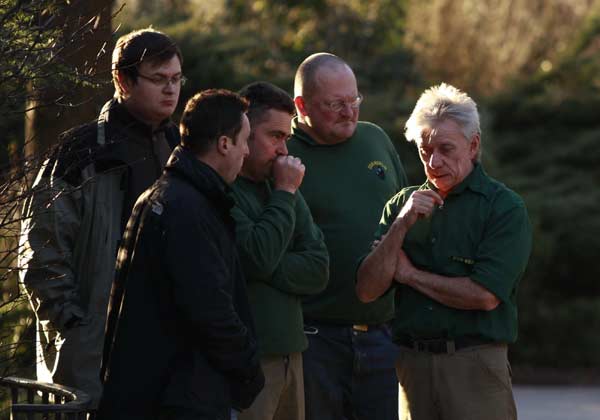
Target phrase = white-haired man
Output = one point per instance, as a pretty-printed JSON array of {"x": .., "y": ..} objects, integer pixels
[{"x": 455, "y": 249}]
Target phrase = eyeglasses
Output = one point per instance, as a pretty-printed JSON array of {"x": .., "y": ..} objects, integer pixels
[
  {"x": 337, "y": 106},
  {"x": 162, "y": 81}
]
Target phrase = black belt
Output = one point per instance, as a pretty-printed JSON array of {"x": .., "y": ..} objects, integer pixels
[{"x": 440, "y": 345}]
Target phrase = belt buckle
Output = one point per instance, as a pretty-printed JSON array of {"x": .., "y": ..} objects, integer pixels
[
  {"x": 435, "y": 346},
  {"x": 360, "y": 327}
]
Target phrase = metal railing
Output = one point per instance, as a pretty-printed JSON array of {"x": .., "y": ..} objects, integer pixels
[{"x": 32, "y": 400}]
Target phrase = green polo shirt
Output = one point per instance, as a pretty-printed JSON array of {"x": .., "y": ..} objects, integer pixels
[{"x": 482, "y": 232}]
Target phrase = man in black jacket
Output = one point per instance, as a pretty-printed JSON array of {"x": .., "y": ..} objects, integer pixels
[{"x": 184, "y": 344}]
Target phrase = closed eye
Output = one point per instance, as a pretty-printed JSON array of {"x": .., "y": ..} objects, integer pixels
[{"x": 279, "y": 135}]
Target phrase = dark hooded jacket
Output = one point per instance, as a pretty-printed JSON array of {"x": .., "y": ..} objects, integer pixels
[{"x": 184, "y": 335}]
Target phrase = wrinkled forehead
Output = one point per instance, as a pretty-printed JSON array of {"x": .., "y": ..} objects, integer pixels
[{"x": 446, "y": 130}]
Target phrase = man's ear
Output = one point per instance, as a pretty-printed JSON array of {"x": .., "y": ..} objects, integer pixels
[
  {"x": 223, "y": 145},
  {"x": 299, "y": 102},
  {"x": 475, "y": 145},
  {"x": 124, "y": 82}
]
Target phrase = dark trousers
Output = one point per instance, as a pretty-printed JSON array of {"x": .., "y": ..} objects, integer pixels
[{"x": 349, "y": 374}]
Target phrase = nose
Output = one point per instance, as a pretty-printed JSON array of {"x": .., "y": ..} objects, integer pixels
[
  {"x": 282, "y": 149},
  {"x": 170, "y": 87},
  {"x": 347, "y": 110},
  {"x": 435, "y": 160}
]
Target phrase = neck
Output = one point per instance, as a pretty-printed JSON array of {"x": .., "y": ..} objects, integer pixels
[
  {"x": 247, "y": 174},
  {"x": 320, "y": 140},
  {"x": 137, "y": 116}
]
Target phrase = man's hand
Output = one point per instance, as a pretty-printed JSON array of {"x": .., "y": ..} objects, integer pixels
[
  {"x": 288, "y": 172},
  {"x": 404, "y": 269},
  {"x": 420, "y": 204},
  {"x": 376, "y": 242}
]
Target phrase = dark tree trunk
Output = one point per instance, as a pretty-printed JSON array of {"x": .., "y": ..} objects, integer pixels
[{"x": 86, "y": 36}]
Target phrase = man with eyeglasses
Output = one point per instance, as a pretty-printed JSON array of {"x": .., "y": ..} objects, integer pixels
[
  {"x": 352, "y": 169},
  {"x": 81, "y": 201}
]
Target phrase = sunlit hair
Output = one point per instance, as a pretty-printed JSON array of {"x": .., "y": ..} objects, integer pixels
[
  {"x": 305, "y": 82},
  {"x": 208, "y": 115},
  {"x": 141, "y": 46},
  {"x": 264, "y": 96},
  {"x": 439, "y": 103}
]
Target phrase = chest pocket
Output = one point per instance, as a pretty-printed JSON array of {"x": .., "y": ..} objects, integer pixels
[{"x": 458, "y": 265}]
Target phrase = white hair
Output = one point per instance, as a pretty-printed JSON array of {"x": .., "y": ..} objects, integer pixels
[{"x": 439, "y": 103}]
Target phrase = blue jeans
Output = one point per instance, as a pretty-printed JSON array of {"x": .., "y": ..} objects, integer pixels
[{"x": 350, "y": 374}]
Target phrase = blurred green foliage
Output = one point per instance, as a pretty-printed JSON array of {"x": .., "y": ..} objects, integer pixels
[
  {"x": 546, "y": 142},
  {"x": 541, "y": 133}
]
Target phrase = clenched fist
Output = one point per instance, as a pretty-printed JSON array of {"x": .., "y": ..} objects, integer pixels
[
  {"x": 420, "y": 204},
  {"x": 288, "y": 172}
]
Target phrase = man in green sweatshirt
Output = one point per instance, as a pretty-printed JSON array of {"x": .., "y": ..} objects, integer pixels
[
  {"x": 283, "y": 254},
  {"x": 352, "y": 170}
]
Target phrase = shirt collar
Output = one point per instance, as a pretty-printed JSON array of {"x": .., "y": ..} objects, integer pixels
[
  {"x": 301, "y": 134},
  {"x": 304, "y": 137}
]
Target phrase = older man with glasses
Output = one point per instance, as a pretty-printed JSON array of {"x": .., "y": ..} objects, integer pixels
[{"x": 352, "y": 169}]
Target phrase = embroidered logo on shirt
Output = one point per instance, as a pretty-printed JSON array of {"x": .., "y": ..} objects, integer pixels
[
  {"x": 463, "y": 260},
  {"x": 378, "y": 167}
]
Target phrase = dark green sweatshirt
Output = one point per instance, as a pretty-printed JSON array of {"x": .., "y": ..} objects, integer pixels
[
  {"x": 346, "y": 186},
  {"x": 284, "y": 259}
]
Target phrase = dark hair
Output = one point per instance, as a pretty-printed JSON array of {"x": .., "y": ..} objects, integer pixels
[
  {"x": 264, "y": 96},
  {"x": 209, "y": 115},
  {"x": 141, "y": 46}
]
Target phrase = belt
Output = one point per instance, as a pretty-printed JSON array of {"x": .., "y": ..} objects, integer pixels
[
  {"x": 363, "y": 327},
  {"x": 355, "y": 327},
  {"x": 440, "y": 345}
]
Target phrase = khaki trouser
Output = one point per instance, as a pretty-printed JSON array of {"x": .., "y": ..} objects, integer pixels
[
  {"x": 282, "y": 398},
  {"x": 470, "y": 384}
]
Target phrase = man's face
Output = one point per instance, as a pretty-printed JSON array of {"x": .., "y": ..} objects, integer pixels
[
  {"x": 152, "y": 99},
  {"x": 447, "y": 155},
  {"x": 267, "y": 142},
  {"x": 328, "y": 126},
  {"x": 238, "y": 152}
]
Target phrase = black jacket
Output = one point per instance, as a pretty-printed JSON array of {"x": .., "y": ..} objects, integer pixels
[{"x": 184, "y": 335}]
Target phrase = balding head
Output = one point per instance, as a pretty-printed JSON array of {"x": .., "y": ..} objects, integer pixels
[
  {"x": 306, "y": 81},
  {"x": 327, "y": 98}
]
